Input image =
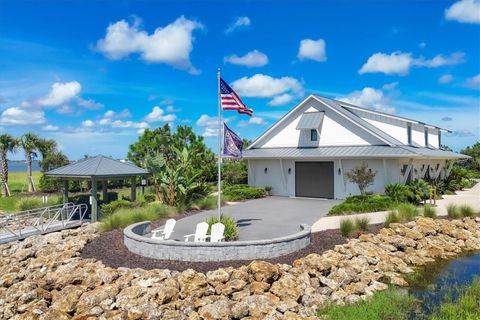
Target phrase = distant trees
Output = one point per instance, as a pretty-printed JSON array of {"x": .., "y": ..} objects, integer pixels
[{"x": 7, "y": 144}]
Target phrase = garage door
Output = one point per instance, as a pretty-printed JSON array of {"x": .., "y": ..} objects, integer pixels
[{"x": 314, "y": 179}]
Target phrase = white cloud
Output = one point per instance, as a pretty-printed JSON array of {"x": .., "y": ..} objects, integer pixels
[
  {"x": 65, "y": 109},
  {"x": 50, "y": 128},
  {"x": 172, "y": 109},
  {"x": 473, "y": 82},
  {"x": 130, "y": 124},
  {"x": 61, "y": 93},
  {"x": 88, "y": 124},
  {"x": 390, "y": 86},
  {"x": 395, "y": 63},
  {"x": 441, "y": 60},
  {"x": 158, "y": 115},
  {"x": 446, "y": 78},
  {"x": 467, "y": 11},
  {"x": 400, "y": 63},
  {"x": 238, "y": 23},
  {"x": 171, "y": 44},
  {"x": 207, "y": 121},
  {"x": 253, "y": 58},
  {"x": 210, "y": 132},
  {"x": 264, "y": 86},
  {"x": 256, "y": 120},
  {"x": 312, "y": 49},
  {"x": 281, "y": 100},
  {"x": 370, "y": 98},
  {"x": 21, "y": 116},
  {"x": 90, "y": 104}
]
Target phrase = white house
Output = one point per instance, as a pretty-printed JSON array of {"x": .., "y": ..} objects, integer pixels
[{"x": 308, "y": 151}]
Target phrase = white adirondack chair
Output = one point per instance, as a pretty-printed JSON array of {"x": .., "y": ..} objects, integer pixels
[
  {"x": 165, "y": 232},
  {"x": 200, "y": 234},
  {"x": 216, "y": 234}
]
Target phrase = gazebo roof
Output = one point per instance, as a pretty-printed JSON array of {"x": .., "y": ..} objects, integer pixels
[{"x": 98, "y": 167}]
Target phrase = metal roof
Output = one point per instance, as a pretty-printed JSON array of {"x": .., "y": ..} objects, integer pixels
[
  {"x": 310, "y": 120},
  {"x": 343, "y": 152},
  {"x": 98, "y": 166}
]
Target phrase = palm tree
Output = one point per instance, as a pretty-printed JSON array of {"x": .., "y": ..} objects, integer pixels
[
  {"x": 47, "y": 148},
  {"x": 7, "y": 144},
  {"x": 30, "y": 143}
]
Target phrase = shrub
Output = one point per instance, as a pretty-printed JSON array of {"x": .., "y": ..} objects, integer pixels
[
  {"x": 126, "y": 216},
  {"x": 466, "y": 211},
  {"x": 392, "y": 217},
  {"x": 406, "y": 212},
  {"x": 453, "y": 212},
  {"x": 29, "y": 203},
  {"x": 242, "y": 192},
  {"x": 420, "y": 190},
  {"x": 109, "y": 208},
  {"x": 362, "y": 223},
  {"x": 429, "y": 211},
  {"x": 207, "y": 203},
  {"x": 231, "y": 227},
  {"x": 398, "y": 192},
  {"x": 149, "y": 197},
  {"x": 346, "y": 227},
  {"x": 360, "y": 204},
  {"x": 235, "y": 171}
]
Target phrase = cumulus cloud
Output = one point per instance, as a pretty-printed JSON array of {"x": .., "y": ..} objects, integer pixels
[
  {"x": 88, "y": 124},
  {"x": 90, "y": 104},
  {"x": 170, "y": 45},
  {"x": 466, "y": 11},
  {"x": 312, "y": 49},
  {"x": 473, "y": 82},
  {"x": 253, "y": 58},
  {"x": 252, "y": 120},
  {"x": 50, "y": 128},
  {"x": 158, "y": 115},
  {"x": 446, "y": 78},
  {"x": 264, "y": 86},
  {"x": 400, "y": 63},
  {"x": 61, "y": 93},
  {"x": 390, "y": 86},
  {"x": 238, "y": 23},
  {"x": 281, "y": 100},
  {"x": 370, "y": 98},
  {"x": 210, "y": 124},
  {"x": 22, "y": 116}
]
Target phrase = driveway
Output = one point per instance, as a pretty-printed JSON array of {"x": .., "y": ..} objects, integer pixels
[{"x": 264, "y": 218}]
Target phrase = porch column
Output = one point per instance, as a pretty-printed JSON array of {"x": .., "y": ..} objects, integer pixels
[
  {"x": 94, "y": 201},
  {"x": 65, "y": 191},
  {"x": 104, "y": 191},
  {"x": 133, "y": 189}
]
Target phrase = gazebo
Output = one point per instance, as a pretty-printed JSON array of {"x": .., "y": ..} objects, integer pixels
[{"x": 98, "y": 169}]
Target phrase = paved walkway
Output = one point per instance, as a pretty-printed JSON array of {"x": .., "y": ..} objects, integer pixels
[
  {"x": 469, "y": 197},
  {"x": 265, "y": 218}
]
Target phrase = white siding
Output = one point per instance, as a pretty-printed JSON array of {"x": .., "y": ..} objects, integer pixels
[
  {"x": 433, "y": 138},
  {"x": 392, "y": 127},
  {"x": 418, "y": 134},
  {"x": 334, "y": 131}
]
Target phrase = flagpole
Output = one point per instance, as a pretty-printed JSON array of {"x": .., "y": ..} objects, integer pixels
[{"x": 219, "y": 183}]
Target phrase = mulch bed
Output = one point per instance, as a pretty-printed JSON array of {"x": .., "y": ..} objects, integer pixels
[{"x": 108, "y": 247}]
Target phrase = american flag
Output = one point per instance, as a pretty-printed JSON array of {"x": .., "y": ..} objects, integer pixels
[{"x": 231, "y": 101}]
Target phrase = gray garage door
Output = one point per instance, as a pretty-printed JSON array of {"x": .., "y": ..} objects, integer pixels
[{"x": 314, "y": 179}]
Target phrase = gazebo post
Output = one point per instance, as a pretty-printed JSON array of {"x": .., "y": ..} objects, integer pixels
[
  {"x": 94, "y": 200},
  {"x": 65, "y": 191},
  {"x": 133, "y": 189},
  {"x": 104, "y": 191}
]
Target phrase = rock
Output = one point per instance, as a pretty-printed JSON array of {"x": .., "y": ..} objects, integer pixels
[
  {"x": 264, "y": 271},
  {"x": 218, "y": 276},
  {"x": 220, "y": 309},
  {"x": 66, "y": 300},
  {"x": 192, "y": 284}
]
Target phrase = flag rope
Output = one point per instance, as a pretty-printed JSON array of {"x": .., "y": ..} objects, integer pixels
[{"x": 219, "y": 183}]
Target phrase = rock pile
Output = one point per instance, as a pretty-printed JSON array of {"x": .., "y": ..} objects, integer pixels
[{"x": 43, "y": 277}]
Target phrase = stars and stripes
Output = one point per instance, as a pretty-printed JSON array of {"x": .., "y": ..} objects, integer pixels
[{"x": 231, "y": 101}]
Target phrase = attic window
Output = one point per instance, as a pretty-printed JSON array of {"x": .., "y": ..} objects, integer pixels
[
  {"x": 426, "y": 137},
  {"x": 313, "y": 135},
  {"x": 409, "y": 133}
]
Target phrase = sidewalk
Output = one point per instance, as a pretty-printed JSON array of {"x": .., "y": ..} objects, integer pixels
[{"x": 469, "y": 197}]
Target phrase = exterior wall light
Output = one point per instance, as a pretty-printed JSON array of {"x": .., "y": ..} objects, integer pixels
[
  {"x": 289, "y": 170},
  {"x": 265, "y": 170},
  {"x": 339, "y": 171}
]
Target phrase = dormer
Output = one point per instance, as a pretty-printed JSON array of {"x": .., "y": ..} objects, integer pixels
[{"x": 310, "y": 126}]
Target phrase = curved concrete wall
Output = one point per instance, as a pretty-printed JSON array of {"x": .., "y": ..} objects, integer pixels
[{"x": 137, "y": 243}]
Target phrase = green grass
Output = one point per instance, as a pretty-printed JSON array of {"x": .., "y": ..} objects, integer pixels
[
  {"x": 466, "y": 211},
  {"x": 362, "y": 223},
  {"x": 17, "y": 181},
  {"x": 453, "y": 212},
  {"x": 429, "y": 211},
  {"x": 457, "y": 212},
  {"x": 404, "y": 212},
  {"x": 126, "y": 216},
  {"x": 15, "y": 203},
  {"x": 392, "y": 217},
  {"x": 347, "y": 227},
  {"x": 467, "y": 307},
  {"x": 389, "y": 305}
]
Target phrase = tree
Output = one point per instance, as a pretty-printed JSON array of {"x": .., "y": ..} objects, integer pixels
[
  {"x": 474, "y": 152},
  {"x": 235, "y": 171},
  {"x": 52, "y": 158},
  {"x": 362, "y": 176},
  {"x": 7, "y": 144},
  {"x": 30, "y": 143}
]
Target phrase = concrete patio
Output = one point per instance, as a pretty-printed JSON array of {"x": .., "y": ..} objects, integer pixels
[{"x": 265, "y": 218}]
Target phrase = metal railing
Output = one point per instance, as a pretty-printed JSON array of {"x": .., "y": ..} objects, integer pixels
[{"x": 40, "y": 220}]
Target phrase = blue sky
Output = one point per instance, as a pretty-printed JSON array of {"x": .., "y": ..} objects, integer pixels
[{"x": 94, "y": 74}]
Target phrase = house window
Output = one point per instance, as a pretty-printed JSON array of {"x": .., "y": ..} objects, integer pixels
[
  {"x": 439, "y": 139},
  {"x": 426, "y": 137},
  {"x": 313, "y": 135},
  {"x": 409, "y": 133}
]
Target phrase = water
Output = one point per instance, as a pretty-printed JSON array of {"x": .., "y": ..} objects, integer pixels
[
  {"x": 443, "y": 279},
  {"x": 17, "y": 166}
]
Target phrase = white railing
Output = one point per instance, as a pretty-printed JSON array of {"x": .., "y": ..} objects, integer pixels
[{"x": 40, "y": 220}]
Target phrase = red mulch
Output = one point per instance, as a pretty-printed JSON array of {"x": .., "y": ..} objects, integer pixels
[{"x": 108, "y": 247}]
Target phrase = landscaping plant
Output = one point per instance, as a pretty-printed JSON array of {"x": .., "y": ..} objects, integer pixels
[
  {"x": 420, "y": 190},
  {"x": 231, "y": 227},
  {"x": 362, "y": 176},
  {"x": 362, "y": 223},
  {"x": 242, "y": 192},
  {"x": 453, "y": 212},
  {"x": 347, "y": 227},
  {"x": 429, "y": 211},
  {"x": 360, "y": 204},
  {"x": 398, "y": 192},
  {"x": 392, "y": 217},
  {"x": 406, "y": 212},
  {"x": 466, "y": 211},
  {"x": 8, "y": 144}
]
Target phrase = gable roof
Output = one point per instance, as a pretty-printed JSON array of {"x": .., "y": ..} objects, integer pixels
[
  {"x": 98, "y": 166},
  {"x": 336, "y": 107}
]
